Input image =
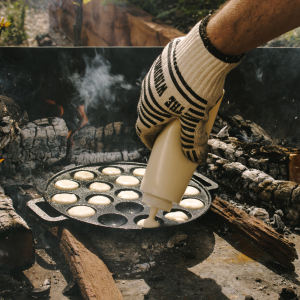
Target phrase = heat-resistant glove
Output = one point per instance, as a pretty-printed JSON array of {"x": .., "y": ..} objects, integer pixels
[{"x": 184, "y": 82}]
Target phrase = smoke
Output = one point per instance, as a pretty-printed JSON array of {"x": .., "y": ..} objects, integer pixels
[
  {"x": 98, "y": 84},
  {"x": 104, "y": 94}
]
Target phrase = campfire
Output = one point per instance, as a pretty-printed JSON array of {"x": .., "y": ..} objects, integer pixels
[{"x": 250, "y": 183}]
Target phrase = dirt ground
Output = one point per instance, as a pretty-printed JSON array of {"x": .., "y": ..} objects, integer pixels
[{"x": 212, "y": 263}]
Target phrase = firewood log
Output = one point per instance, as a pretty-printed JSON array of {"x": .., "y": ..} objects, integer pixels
[
  {"x": 93, "y": 277},
  {"x": 16, "y": 239},
  {"x": 265, "y": 237}
]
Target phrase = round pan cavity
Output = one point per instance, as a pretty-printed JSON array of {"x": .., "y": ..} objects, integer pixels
[
  {"x": 132, "y": 214},
  {"x": 104, "y": 195},
  {"x": 117, "y": 192},
  {"x": 112, "y": 220},
  {"x": 73, "y": 174},
  {"x": 59, "y": 185},
  {"x": 131, "y": 208},
  {"x": 189, "y": 215},
  {"x": 99, "y": 190},
  {"x": 158, "y": 219},
  {"x": 111, "y": 166}
]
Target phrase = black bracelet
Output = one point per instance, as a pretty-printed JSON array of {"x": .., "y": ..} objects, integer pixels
[{"x": 212, "y": 49}]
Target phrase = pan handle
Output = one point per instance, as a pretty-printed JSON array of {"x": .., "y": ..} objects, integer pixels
[
  {"x": 208, "y": 184},
  {"x": 32, "y": 205}
]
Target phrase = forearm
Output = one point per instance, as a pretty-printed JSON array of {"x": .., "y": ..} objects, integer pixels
[{"x": 242, "y": 25}]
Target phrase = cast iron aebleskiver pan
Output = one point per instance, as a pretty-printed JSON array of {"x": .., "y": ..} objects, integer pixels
[{"x": 121, "y": 213}]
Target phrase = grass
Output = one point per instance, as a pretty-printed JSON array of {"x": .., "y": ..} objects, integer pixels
[{"x": 15, "y": 34}]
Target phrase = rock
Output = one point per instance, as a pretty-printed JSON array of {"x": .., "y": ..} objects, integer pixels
[
  {"x": 288, "y": 293},
  {"x": 278, "y": 224},
  {"x": 41, "y": 292},
  {"x": 279, "y": 212},
  {"x": 143, "y": 267},
  {"x": 259, "y": 213},
  {"x": 248, "y": 297},
  {"x": 176, "y": 238},
  {"x": 44, "y": 40}
]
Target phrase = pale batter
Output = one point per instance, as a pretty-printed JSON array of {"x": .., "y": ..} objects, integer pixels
[
  {"x": 99, "y": 200},
  {"x": 81, "y": 211},
  {"x": 128, "y": 195},
  {"x": 111, "y": 171},
  {"x": 64, "y": 198},
  {"x": 139, "y": 172},
  {"x": 191, "y": 203},
  {"x": 150, "y": 222},
  {"x": 127, "y": 181},
  {"x": 178, "y": 216},
  {"x": 84, "y": 175},
  {"x": 99, "y": 187},
  {"x": 66, "y": 185},
  {"x": 191, "y": 191}
]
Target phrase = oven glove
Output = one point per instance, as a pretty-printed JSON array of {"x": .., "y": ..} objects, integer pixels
[{"x": 184, "y": 82}]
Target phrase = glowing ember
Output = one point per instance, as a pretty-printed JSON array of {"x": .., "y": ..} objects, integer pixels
[
  {"x": 83, "y": 120},
  {"x": 51, "y": 102},
  {"x": 61, "y": 111}
]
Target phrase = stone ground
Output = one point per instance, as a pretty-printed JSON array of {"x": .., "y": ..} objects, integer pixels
[{"x": 212, "y": 263}]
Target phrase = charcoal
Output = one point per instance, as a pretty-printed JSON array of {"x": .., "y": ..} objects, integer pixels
[{"x": 40, "y": 143}]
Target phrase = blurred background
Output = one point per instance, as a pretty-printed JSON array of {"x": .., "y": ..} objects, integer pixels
[{"x": 137, "y": 23}]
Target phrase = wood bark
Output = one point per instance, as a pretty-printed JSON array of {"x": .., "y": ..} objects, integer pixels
[
  {"x": 16, "y": 239},
  {"x": 265, "y": 237},
  {"x": 93, "y": 277}
]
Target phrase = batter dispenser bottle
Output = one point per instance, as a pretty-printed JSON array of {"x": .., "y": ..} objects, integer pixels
[{"x": 169, "y": 171}]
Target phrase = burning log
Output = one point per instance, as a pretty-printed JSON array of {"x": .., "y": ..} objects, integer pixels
[
  {"x": 258, "y": 232},
  {"x": 273, "y": 160},
  {"x": 40, "y": 143},
  {"x": 255, "y": 185},
  {"x": 94, "y": 279},
  {"x": 249, "y": 145},
  {"x": 16, "y": 239},
  {"x": 103, "y": 144},
  {"x": 12, "y": 117}
]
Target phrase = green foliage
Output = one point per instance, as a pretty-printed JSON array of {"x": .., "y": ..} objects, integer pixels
[
  {"x": 181, "y": 14},
  {"x": 15, "y": 34}
]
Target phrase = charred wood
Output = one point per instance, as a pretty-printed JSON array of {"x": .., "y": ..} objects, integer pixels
[
  {"x": 40, "y": 143},
  {"x": 109, "y": 143},
  {"x": 12, "y": 117},
  {"x": 255, "y": 185},
  {"x": 93, "y": 277},
  {"x": 272, "y": 242},
  {"x": 16, "y": 239}
]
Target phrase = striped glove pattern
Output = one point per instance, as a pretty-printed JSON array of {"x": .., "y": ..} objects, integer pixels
[{"x": 184, "y": 82}]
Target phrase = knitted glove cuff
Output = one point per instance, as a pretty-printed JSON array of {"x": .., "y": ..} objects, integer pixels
[{"x": 201, "y": 65}]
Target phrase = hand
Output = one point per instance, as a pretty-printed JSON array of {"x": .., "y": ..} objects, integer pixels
[{"x": 184, "y": 82}]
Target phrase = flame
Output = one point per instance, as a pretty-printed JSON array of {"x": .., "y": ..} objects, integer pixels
[
  {"x": 61, "y": 111},
  {"x": 60, "y": 108},
  {"x": 83, "y": 120},
  {"x": 51, "y": 102},
  {"x": 1, "y": 160}
]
